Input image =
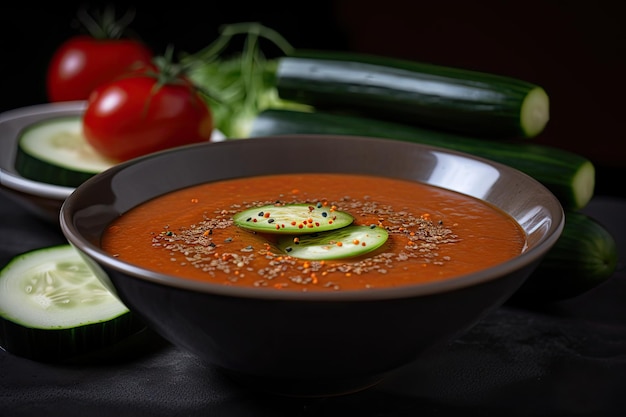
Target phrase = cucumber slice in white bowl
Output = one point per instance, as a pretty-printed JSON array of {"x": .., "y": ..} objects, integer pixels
[
  {"x": 55, "y": 151},
  {"x": 53, "y": 308}
]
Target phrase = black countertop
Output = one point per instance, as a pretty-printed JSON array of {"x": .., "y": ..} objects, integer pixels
[{"x": 568, "y": 358}]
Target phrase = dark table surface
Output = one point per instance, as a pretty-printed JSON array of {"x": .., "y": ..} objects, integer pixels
[{"x": 566, "y": 359}]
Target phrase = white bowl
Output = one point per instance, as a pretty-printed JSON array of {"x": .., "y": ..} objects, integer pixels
[{"x": 41, "y": 199}]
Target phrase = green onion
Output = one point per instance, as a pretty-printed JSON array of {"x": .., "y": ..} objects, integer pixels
[{"x": 238, "y": 85}]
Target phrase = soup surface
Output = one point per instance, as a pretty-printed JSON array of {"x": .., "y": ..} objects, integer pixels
[{"x": 434, "y": 233}]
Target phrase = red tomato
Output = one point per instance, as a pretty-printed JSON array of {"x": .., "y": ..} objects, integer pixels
[
  {"x": 82, "y": 63},
  {"x": 135, "y": 115}
]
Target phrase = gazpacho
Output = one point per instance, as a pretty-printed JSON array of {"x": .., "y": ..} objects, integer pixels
[{"x": 315, "y": 231}]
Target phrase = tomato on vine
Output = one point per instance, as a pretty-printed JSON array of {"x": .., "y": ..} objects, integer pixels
[
  {"x": 146, "y": 111},
  {"x": 83, "y": 62}
]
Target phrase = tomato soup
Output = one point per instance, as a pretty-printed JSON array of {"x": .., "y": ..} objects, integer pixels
[{"x": 433, "y": 233}]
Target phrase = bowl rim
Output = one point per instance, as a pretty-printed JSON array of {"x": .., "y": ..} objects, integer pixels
[{"x": 102, "y": 258}]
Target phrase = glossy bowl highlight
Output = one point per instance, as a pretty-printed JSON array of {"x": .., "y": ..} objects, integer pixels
[{"x": 309, "y": 344}]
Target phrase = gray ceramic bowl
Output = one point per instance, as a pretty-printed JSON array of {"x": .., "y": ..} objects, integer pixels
[{"x": 309, "y": 344}]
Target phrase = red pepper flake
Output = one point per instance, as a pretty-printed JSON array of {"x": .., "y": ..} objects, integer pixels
[
  {"x": 355, "y": 241},
  {"x": 266, "y": 215}
]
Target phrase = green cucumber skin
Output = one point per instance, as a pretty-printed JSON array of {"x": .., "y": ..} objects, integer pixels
[
  {"x": 37, "y": 170},
  {"x": 58, "y": 341},
  {"x": 453, "y": 99},
  {"x": 584, "y": 256},
  {"x": 554, "y": 168},
  {"x": 58, "y": 345},
  {"x": 53, "y": 151}
]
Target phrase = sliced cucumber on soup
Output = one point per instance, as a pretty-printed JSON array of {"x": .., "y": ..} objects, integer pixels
[
  {"x": 292, "y": 218},
  {"x": 347, "y": 242}
]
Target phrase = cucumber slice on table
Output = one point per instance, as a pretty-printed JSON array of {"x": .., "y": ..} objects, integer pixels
[
  {"x": 292, "y": 218},
  {"x": 52, "y": 307},
  {"x": 55, "y": 151},
  {"x": 346, "y": 242}
]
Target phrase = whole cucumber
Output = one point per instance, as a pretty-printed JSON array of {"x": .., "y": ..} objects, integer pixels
[
  {"x": 569, "y": 176},
  {"x": 417, "y": 93},
  {"x": 584, "y": 256}
]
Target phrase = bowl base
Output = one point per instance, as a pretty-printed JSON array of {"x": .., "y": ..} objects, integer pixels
[{"x": 305, "y": 388}]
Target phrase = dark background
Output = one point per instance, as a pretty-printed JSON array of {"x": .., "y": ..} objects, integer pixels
[
  {"x": 575, "y": 50},
  {"x": 568, "y": 360}
]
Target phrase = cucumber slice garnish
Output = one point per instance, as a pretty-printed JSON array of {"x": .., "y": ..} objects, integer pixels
[
  {"x": 292, "y": 218},
  {"x": 346, "y": 242}
]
